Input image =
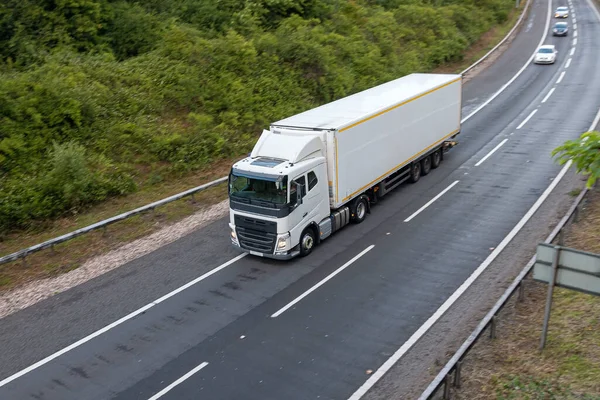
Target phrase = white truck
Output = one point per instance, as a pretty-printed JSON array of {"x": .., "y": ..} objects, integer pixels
[{"x": 313, "y": 173}]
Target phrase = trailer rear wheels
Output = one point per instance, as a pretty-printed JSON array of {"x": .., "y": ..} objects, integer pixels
[
  {"x": 359, "y": 210},
  {"x": 307, "y": 242},
  {"x": 436, "y": 158},
  {"x": 425, "y": 165},
  {"x": 415, "y": 172}
]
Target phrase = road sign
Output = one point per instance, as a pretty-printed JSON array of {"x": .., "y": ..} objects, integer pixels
[
  {"x": 568, "y": 268},
  {"x": 577, "y": 270}
]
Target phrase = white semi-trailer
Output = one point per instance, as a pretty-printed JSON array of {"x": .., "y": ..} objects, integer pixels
[{"x": 313, "y": 173}]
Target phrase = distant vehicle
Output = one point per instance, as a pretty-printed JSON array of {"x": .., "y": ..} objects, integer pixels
[
  {"x": 311, "y": 174},
  {"x": 560, "y": 29},
  {"x": 546, "y": 54},
  {"x": 561, "y": 12}
]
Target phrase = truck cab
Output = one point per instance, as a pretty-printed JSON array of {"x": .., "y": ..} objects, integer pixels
[{"x": 278, "y": 193}]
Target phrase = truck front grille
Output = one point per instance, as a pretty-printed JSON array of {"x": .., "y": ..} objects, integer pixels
[
  {"x": 262, "y": 242},
  {"x": 256, "y": 234}
]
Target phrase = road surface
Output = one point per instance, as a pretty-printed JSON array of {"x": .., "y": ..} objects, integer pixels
[{"x": 311, "y": 328}]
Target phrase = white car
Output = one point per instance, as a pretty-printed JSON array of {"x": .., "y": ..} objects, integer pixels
[
  {"x": 546, "y": 54},
  {"x": 561, "y": 12}
]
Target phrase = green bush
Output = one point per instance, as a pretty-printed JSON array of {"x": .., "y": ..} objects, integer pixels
[{"x": 155, "y": 89}]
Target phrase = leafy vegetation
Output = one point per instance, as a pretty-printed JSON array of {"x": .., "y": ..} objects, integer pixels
[
  {"x": 585, "y": 154},
  {"x": 100, "y": 97}
]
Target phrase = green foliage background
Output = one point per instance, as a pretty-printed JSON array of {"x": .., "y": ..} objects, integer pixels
[{"x": 101, "y": 97}]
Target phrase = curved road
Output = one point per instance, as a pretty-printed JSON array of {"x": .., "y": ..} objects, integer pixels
[{"x": 260, "y": 329}]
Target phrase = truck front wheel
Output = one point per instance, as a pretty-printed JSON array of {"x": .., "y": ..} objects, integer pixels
[{"x": 307, "y": 242}]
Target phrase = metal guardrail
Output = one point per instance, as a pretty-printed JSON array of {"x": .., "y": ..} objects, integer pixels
[
  {"x": 103, "y": 224},
  {"x": 444, "y": 377},
  {"x": 21, "y": 254}
]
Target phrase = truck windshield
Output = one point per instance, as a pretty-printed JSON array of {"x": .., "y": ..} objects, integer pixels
[{"x": 256, "y": 191}]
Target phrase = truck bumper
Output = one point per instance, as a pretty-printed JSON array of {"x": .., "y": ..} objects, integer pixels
[{"x": 288, "y": 255}]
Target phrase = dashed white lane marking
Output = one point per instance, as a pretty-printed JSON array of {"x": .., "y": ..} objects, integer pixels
[
  {"x": 322, "y": 282},
  {"x": 430, "y": 202},
  {"x": 491, "y": 152},
  {"x": 548, "y": 95},
  {"x": 178, "y": 381},
  {"x": 568, "y": 63},
  {"x": 572, "y": 51},
  {"x": 527, "y": 119},
  {"x": 575, "y": 34},
  {"x": 574, "y": 26},
  {"x": 560, "y": 78},
  {"x": 574, "y": 42},
  {"x": 118, "y": 322},
  {"x": 389, "y": 363}
]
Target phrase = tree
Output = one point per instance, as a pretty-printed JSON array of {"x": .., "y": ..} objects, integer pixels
[{"x": 585, "y": 154}]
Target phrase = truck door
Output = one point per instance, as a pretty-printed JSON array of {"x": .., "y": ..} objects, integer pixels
[{"x": 312, "y": 199}]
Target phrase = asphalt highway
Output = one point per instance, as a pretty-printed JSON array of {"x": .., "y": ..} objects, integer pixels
[{"x": 260, "y": 329}]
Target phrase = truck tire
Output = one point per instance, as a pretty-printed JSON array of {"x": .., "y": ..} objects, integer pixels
[
  {"x": 436, "y": 158},
  {"x": 415, "y": 172},
  {"x": 359, "y": 210},
  {"x": 426, "y": 165},
  {"x": 307, "y": 242}
]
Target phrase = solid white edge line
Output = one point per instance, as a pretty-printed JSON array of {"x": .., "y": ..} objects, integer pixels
[
  {"x": 178, "y": 381},
  {"x": 328, "y": 277},
  {"x": 527, "y": 119},
  {"x": 527, "y": 63},
  {"x": 568, "y": 63},
  {"x": 548, "y": 95},
  {"x": 116, "y": 323},
  {"x": 572, "y": 51},
  {"x": 430, "y": 202},
  {"x": 488, "y": 155},
  {"x": 560, "y": 78},
  {"x": 361, "y": 391}
]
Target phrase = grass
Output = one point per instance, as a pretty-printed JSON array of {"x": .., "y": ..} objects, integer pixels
[
  {"x": 512, "y": 367},
  {"x": 70, "y": 255},
  {"x": 487, "y": 42}
]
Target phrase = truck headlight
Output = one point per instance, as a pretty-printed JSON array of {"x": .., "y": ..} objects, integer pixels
[
  {"x": 234, "y": 236},
  {"x": 283, "y": 242}
]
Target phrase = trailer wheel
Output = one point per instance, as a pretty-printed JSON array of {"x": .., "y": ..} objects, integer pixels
[
  {"x": 425, "y": 165},
  {"x": 415, "y": 172},
  {"x": 307, "y": 242},
  {"x": 359, "y": 210},
  {"x": 436, "y": 159}
]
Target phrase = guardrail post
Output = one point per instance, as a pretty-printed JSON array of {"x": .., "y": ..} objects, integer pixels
[
  {"x": 576, "y": 214},
  {"x": 561, "y": 237},
  {"x": 193, "y": 199},
  {"x": 104, "y": 231},
  {"x": 446, "y": 395},
  {"x": 457, "y": 374},
  {"x": 24, "y": 259},
  {"x": 521, "y": 295},
  {"x": 493, "y": 328}
]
